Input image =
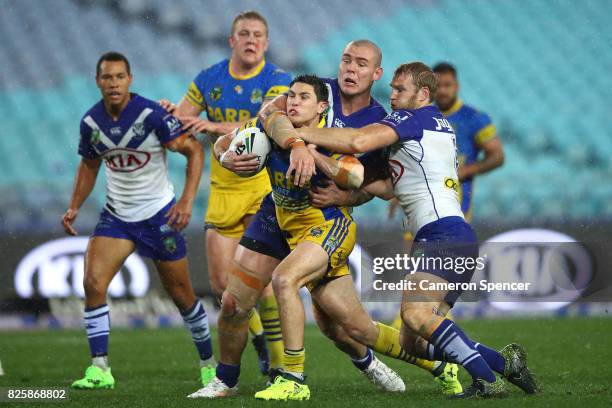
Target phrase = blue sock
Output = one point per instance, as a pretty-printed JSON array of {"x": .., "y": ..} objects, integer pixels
[
  {"x": 449, "y": 343},
  {"x": 228, "y": 374},
  {"x": 197, "y": 321},
  {"x": 365, "y": 362},
  {"x": 492, "y": 357},
  {"x": 97, "y": 326}
]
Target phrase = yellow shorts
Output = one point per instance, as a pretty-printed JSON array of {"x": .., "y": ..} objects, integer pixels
[
  {"x": 226, "y": 211},
  {"x": 334, "y": 231}
]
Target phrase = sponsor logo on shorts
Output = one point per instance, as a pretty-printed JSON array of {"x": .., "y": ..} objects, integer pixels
[
  {"x": 316, "y": 232},
  {"x": 170, "y": 244}
]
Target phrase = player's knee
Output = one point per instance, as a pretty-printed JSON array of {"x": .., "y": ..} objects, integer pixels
[
  {"x": 231, "y": 311},
  {"x": 283, "y": 282},
  {"x": 413, "y": 318},
  {"x": 93, "y": 285},
  {"x": 217, "y": 284}
]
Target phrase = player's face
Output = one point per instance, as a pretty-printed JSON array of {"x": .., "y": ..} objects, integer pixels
[
  {"x": 448, "y": 88},
  {"x": 114, "y": 82},
  {"x": 404, "y": 94},
  {"x": 358, "y": 69},
  {"x": 249, "y": 42},
  {"x": 303, "y": 108}
]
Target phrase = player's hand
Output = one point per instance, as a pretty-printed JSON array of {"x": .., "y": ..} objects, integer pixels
[
  {"x": 240, "y": 164},
  {"x": 327, "y": 195},
  {"x": 303, "y": 164},
  {"x": 68, "y": 219},
  {"x": 179, "y": 215},
  {"x": 194, "y": 124},
  {"x": 393, "y": 204},
  {"x": 167, "y": 105}
]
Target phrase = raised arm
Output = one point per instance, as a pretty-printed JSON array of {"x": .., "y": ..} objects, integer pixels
[
  {"x": 349, "y": 140},
  {"x": 84, "y": 183}
]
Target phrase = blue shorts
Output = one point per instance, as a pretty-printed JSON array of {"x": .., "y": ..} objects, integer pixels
[
  {"x": 263, "y": 235},
  {"x": 153, "y": 237},
  {"x": 453, "y": 241}
]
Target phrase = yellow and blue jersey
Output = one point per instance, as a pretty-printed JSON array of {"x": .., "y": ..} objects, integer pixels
[
  {"x": 472, "y": 128},
  {"x": 227, "y": 97}
]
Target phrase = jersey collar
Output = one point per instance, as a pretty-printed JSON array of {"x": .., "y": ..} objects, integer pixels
[
  {"x": 456, "y": 106},
  {"x": 255, "y": 72}
]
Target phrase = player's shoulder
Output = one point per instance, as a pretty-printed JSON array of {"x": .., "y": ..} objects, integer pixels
[
  {"x": 472, "y": 112},
  {"x": 95, "y": 111},
  {"x": 214, "y": 71},
  {"x": 143, "y": 103},
  {"x": 273, "y": 70},
  {"x": 376, "y": 109}
]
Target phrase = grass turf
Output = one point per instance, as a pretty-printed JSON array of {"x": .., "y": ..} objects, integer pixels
[{"x": 158, "y": 368}]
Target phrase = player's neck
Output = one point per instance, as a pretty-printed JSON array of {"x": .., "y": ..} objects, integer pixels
[
  {"x": 239, "y": 69},
  {"x": 114, "y": 111},
  {"x": 353, "y": 103}
]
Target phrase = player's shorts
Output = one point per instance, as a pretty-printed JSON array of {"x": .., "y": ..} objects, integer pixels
[
  {"x": 331, "y": 228},
  {"x": 226, "y": 211},
  {"x": 263, "y": 235},
  {"x": 449, "y": 237},
  {"x": 153, "y": 237}
]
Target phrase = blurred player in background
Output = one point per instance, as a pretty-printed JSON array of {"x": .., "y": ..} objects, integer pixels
[
  {"x": 423, "y": 155},
  {"x": 475, "y": 133},
  {"x": 130, "y": 134},
  {"x": 231, "y": 92},
  {"x": 263, "y": 246}
]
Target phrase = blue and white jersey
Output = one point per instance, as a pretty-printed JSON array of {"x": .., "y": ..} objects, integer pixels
[
  {"x": 132, "y": 149},
  {"x": 424, "y": 165}
]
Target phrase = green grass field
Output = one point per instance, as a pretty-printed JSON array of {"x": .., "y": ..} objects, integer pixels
[{"x": 158, "y": 368}]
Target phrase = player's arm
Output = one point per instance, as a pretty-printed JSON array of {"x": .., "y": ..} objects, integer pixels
[
  {"x": 180, "y": 214},
  {"x": 330, "y": 195},
  {"x": 85, "y": 180},
  {"x": 493, "y": 158},
  {"x": 345, "y": 171},
  {"x": 349, "y": 140},
  {"x": 279, "y": 128},
  {"x": 241, "y": 165}
]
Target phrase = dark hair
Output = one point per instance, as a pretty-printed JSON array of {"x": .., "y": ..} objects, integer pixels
[
  {"x": 249, "y": 15},
  {"x": 317, "y": 83},
  {"x": 112, "y": 56},
  {"x": 422, "y": 76},
  {"x": 445, "y": 68}
]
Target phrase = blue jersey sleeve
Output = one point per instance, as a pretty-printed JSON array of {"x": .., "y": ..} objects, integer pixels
[
  {"x": 278, "y": 84},
  {"x": 167, "y": 127},
  {"x": 86, "y": 149},
  {"x": 405, "y": 124},
  {"x": 195, "y": 93}
]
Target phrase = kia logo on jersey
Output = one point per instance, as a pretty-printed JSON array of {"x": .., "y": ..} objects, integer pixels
[{"x": 126, "y": 160}]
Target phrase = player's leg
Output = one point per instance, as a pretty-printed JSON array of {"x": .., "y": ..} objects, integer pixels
[
  {"x": 104, "y": 257},
  {"x": 249, "y": 274},
  {"x": 174, "y": 275},
  {"x": 362, "y": 357}
]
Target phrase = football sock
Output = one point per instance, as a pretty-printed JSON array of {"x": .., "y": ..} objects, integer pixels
[
  {"x": 388, "y": 344},
  {"x": 97, "y": 326},
  {"x": 364, "y": 363},
  {"x": 228, "y": 373},
  {"x": 293, "y": 362},
  {"x": 268, "y": 310},
  {"x": 449, "y": 343},
  {"x": 495, "y": 360},
  {"x": 196, "y": 321},
  {"x": 255, "y": 326}
]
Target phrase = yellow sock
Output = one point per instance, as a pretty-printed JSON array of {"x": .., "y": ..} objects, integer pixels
[
  {"x": 388, "y": 344},
  {"x": 255, "y": 326},
  {"x": 293, "y": 361},
  {"x": 268, "y": 310}
]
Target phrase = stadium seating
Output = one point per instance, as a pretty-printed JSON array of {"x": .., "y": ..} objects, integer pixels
[{"x": 540, "y": 70}]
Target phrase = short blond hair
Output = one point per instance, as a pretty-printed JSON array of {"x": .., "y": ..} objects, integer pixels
[
  {"x": 249, "y": 15},
  {"x": 422, "y": 76}
]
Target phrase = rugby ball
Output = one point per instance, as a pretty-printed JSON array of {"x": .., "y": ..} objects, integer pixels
[{"x": 251, "y": 139}]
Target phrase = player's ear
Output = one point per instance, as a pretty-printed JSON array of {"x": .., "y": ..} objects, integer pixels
[
  {"x": 378, "y": 72},
  {"x": 323, "y": 105},
  {"x": 231, "y": 41}
]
